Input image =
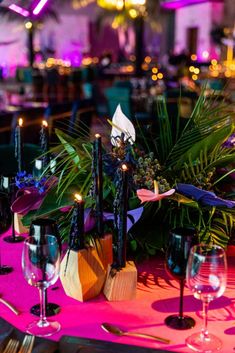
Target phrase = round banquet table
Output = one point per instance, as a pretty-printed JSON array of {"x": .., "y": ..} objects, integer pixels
[{"x": 157, "y": 297}]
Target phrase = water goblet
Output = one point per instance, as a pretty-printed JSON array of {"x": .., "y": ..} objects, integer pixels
[
  {"x": 38, "y": 228},
  {"x": 40, "y": 263},
  {"x": 5, "y": 223},
  {"x": 179, "y": 244},
  {"x": 206, "y": 277}
]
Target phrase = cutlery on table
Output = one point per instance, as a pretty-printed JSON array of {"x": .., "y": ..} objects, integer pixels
[
  {"x": 118, "y": 332},
  {"x": 27, "y": 344},
  {"x": 11, "y": 346},
  {"x": 10, "y": 306}
]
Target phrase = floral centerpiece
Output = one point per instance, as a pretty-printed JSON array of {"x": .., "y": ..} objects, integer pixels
[{"x": 178, "y": 176}]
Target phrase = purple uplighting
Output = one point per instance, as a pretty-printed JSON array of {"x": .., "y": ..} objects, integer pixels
[
  {"x": 176, "y": 4},
  {"x": 38, "y": 8},
  {"x": 19, "y": 10}
]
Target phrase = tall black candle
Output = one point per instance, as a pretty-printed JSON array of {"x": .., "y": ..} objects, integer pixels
[
  {"x": 98, "y": 183},
  {"x": 122, "y": 218},
  {"x": 44, "y": 143},
  {"x": 76, "y": 238},
  {"x": 19, "y": 145}
]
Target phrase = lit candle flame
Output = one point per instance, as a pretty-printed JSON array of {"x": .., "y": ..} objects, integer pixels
[
  {"x": 20, "y": 122},
  {"x": 97, "y": 136},
  {"x": 44, "y": 123},
  {"x": 124, "y": 167},
  {"x": 78, "y": 197}
]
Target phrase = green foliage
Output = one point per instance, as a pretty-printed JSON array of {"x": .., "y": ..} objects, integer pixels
[{"x": 192, "y": 156}]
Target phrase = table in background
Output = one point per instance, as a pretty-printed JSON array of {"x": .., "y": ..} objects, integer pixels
[{"x": 157, "y": 297}]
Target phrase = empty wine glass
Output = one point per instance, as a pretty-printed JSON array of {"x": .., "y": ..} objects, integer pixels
[
  {"x": 206, "y": 277},
  {"x": 40, "y": 263},
  {"x": 38, "y": 228},
  {"x": 180, "y": 241}
]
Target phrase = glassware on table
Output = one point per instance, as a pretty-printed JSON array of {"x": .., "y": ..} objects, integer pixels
[
  {"x": 38, "y": 228},
  {"x": 206, "y": 277},
  {"x": 5, "y": 223},
  {"x": 179, "y": 243},
  {"x": 8, "y": 185},
  {"x": 41, "y": 263}
]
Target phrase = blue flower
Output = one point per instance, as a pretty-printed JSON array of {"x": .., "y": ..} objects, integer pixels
[
  {"x": 205, "y": 198},
  {"x": 24, "y": 180}
]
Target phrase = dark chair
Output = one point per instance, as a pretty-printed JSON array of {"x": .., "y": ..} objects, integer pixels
[
  {"x": 58, "y": 116},
  {"x": 81, "y": 118},
  {"x": 76, "y": 121},
  {"x": 119, "y": 95},
  {"x": 122, "y": 96},
  {"x": 180, "y": 105}
]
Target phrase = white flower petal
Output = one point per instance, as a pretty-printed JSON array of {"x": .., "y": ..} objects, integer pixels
[{"x": 121, "y": 124}]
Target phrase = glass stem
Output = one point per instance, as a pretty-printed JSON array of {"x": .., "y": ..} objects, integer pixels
[
  {"x": 181, "y": 314},
  {"x": 204, "y": 332},
  {"x": 42, "y": 295}
]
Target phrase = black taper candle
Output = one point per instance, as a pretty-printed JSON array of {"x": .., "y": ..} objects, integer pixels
[
  {"x": 98, "y": 183},
  {"x": 19, "y": 145},
  {"x": 122, "y": 218},
  {"x": 44, "y": 143},
  {"x": 76, "y": 237}
]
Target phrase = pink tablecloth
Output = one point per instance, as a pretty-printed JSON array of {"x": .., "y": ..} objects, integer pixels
[{"x": 157, "y": 297}]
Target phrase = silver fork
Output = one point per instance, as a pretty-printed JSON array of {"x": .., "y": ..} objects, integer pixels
[
  {"x": 27, "y": 344},
  {"x": 11, "y": 346}
]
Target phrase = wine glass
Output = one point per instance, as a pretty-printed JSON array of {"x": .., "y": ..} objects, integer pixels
[
  {"x": 40, "y": 263},
  {"x": 206, "y": 277},
  {"x": 179, "y": 244},
  {"x": 38, "y": 228},
  {"x": 5, "y": 223}
]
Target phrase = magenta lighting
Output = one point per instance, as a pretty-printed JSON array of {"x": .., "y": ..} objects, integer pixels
[
  {"x": 39, "y": 7},
  {"x": 176, "y": 4},
  {"x": 19, "y": 10}
]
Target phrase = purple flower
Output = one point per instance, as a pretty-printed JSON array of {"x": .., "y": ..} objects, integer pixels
[
  {"x": 132, "y": 216},
  {"x": 230, "y": 143},
  {"x": 90, "y": 222},
  {"x": 205, "y": 198}
]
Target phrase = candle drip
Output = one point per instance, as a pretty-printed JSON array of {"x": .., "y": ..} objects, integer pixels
[
  {"x": 44, "y": 143},
  {"x": 76, "y": 239},
  {"x": 97, "y": 186},
  {"x": 120, "y": 215},
  {"x": 19, "y": 146}
]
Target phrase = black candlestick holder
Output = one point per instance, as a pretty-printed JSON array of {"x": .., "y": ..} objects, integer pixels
[
  {"x": 13, "y": 238},
  {"x": 8, "y": 186}
]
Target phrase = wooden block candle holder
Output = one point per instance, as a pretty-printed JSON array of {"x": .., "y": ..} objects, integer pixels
[
  {"x": 104, "y": 248},
  {"x": 82, "y": 274},
  {"x": 121, "y": 284}
]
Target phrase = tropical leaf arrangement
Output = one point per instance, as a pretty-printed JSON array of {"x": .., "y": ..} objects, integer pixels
[{"x": 183, "y": 176}]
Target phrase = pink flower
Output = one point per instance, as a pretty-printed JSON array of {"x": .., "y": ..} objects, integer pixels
[{"x": 146, "y": 195}]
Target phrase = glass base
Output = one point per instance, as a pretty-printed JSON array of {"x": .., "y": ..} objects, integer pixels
[
  {"x": 199, "y": 344},
  {"x": 16, "y": 239},
  {"x": 43, "y": 329},
  {"x": 51, "y": 309},
  {"x": 4, "y": 270},
  {"x": 180, "y": 323}
]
